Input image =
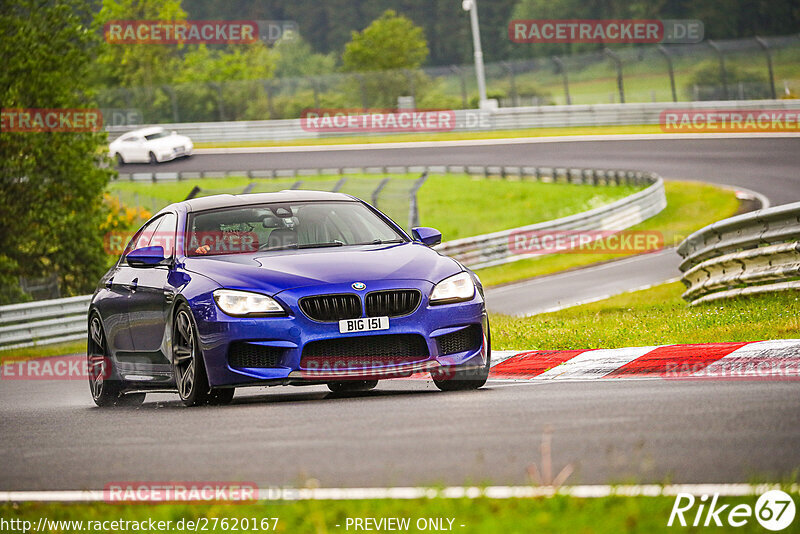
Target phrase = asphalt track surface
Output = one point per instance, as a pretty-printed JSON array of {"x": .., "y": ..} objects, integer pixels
[
  {"x": 408, "y": 433},
  {"x": 549, "y": 293}
]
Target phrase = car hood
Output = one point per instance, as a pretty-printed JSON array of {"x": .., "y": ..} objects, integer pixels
[{"x": 274, "y": 272}]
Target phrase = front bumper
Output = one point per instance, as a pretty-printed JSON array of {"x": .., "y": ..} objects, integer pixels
[
  {"x": 289, "y": 336},
  {"x": 175, "y": 153}
]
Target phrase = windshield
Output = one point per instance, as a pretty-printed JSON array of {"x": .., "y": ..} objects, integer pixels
[
  {"x": 248, "y": 229},
  {"x": 157, "y": 135}
]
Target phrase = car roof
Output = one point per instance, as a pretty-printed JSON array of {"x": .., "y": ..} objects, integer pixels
[
  {"x": 226, "y": 201},
  {"x": 144, "y": 131}
]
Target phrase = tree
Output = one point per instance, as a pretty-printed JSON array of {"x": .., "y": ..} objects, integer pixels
[
  {"x": 223, "y": 84},
  {"x": 391, "y": 42},
  {"x": 295, "y": 58},
  {"x": 50, "y": 182},
  {"x": 389, "y": 52},
  {"x": 139, "y": 64}
]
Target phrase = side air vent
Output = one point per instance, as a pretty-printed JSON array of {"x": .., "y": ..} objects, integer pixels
[
  {"x": 252, "y": 355},
  {"x": 469, "y": 338}
]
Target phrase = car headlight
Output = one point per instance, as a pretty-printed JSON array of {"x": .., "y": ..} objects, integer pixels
[
  {"x": 457, "y": 288},
  {"x": 245, "y": 303}
]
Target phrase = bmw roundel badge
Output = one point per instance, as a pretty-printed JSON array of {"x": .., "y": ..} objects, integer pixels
[{"x": 359, "y": 286}]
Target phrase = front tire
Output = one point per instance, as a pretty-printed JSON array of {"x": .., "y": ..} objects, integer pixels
[
  {"x": 120, "y": 160},
  {"x": 105, "y": 392},
  {"x": 153, "y": 159},
  {"x": 188, "y": 366}
]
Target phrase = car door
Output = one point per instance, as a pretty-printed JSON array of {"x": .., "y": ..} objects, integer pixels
[
  {"x": 120, "y": 287},
  {"x": 111, "y": 302},
  {"x": 134, "y": 149},
  {"x": 151, "y": 301}
]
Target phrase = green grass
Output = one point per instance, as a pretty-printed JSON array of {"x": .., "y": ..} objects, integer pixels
[
  {"x": 461, "y": 206},
  {"x": 60, "y": 349},
  {"x": 656, "y": 316},
  {"x": 457, "y": 205},
  {"x": 447, "y": 136},
  {"x": 558, "y": 514},
  {"x": 690, "y": 206}
]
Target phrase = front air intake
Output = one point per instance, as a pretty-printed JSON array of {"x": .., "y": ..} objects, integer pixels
[{"x": 331, "y": 308}]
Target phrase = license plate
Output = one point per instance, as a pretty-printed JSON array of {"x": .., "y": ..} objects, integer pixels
[{"x": 363, "y": 325}]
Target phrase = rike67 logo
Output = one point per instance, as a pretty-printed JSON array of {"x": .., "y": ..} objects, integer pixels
[{"x": 774, "y": 510}]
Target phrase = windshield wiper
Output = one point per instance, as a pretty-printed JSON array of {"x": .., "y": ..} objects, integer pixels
[
  {"x": 381, "y": 242},
  {"x": 322, "y": 245}
]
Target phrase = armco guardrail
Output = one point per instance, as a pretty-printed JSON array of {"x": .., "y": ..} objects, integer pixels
[
  {"x": 469, "y": 120},
  {"x": 43, "y": 322},
  {"x": 55, "y": 321},
  {"x": 757, "y": 252},
  {"x": 493, "y": 249}
]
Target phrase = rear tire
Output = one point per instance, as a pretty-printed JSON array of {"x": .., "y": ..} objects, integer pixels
[
  {"x": 105, "y": 392},
  {"x": 351, "y": 386},
  {"x": 467, "y": 379}
]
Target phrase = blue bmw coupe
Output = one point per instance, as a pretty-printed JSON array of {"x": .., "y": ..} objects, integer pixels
[{"x": 290, "y": 288}]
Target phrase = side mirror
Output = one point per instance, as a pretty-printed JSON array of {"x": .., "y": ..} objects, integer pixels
[
  {"x": 427, "y": 236},
  {"x": 146, "y": 257}
]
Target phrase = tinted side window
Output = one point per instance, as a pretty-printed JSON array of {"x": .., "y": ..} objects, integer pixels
[
  {"x": 143, "y": 236},
  {"x": 165, "y": 234}
]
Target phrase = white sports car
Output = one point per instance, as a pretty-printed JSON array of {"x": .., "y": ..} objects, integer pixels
[{"x": 152, "y": 145}]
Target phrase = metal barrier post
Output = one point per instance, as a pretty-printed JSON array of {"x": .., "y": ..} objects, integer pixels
[
  {"x": 765, "y": 46},
  {"x": 378, "y": 190},
  {"x": 618, "y": 63},
  {"x": 670, "y": 70},
  {"x": 193, "y": 193},
  {"x": 722, "y": 69},
  {"x": 460, "y": 73},
  {"x": 413, "y": 208},
  {"x": 563, "y": 70},
  {"x": 514, "y": 96},
  {"x": 173, "y": 97}
]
